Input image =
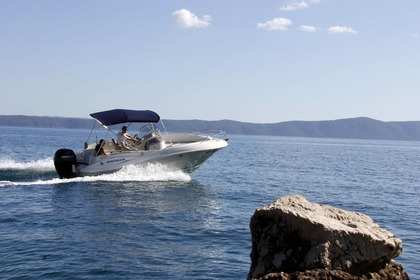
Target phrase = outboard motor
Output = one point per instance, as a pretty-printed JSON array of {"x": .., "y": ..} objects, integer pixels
[{"x": 65, "y": 163}]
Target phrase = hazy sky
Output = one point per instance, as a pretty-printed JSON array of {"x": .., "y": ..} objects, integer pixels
[{"x": 253, "y": 61}]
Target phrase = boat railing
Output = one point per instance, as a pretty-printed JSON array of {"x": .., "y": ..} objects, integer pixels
[
  {"x": 212, "y": 133},
  {"x": 202, "y": 132}
]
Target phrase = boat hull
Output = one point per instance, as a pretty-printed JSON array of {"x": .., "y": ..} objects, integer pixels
[
  {"x": 185, "y": 152},
  {"x": 186, "y": 157}
]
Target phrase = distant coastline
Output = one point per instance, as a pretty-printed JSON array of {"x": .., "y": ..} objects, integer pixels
[{"x": 356, "y": 128}]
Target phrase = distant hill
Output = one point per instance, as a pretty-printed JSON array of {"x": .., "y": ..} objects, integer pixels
[
  {"x": 358, "y": 128},
  {"x": 46, "y": 122}
]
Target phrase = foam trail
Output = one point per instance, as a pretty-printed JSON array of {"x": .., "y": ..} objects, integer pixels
[
  {"x": 46, "y": 164},
  {"x": 33, "y": 183},
  {"x": 152, "y": 172}
]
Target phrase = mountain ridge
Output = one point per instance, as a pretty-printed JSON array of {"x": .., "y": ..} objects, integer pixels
[{"x": 357, "y": 128}]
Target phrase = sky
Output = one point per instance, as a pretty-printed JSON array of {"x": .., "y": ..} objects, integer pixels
[{"x": 259, "y": 61}]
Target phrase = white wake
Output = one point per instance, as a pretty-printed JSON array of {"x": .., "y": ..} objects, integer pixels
[
  {"x": 152, "y": 172},
  {"x": 46, "y": 164}
]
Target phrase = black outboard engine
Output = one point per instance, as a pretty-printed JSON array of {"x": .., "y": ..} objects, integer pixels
[{"x": 65, "y": 163}]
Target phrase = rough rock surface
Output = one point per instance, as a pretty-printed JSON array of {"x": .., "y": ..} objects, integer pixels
[{"x": 295, "y": 239}]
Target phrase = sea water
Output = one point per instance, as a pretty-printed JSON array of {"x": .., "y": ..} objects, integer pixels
[{"x": 150, "y": 223}]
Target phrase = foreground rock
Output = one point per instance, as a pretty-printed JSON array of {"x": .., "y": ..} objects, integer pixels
[{"x": 296, "y": 239}]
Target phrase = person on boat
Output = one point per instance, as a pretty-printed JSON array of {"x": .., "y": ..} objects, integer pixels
[
  {"x": 124, "y": 139},
  {"x": 99, "y": 148}
]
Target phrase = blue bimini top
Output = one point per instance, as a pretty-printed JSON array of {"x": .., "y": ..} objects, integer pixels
[{"x": 117, "y": 116}]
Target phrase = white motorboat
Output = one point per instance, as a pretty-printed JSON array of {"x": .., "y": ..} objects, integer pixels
[{"x": 185, "y": 152}]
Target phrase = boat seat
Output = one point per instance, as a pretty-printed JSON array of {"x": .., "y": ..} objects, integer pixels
[
  {"x": 115, "y": 145},
  {"x": 128, "y": 147},
  {"x": 123, "y": 147}
]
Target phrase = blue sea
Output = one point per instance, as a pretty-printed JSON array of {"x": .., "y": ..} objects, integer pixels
[{"x": 148, "y": 223}]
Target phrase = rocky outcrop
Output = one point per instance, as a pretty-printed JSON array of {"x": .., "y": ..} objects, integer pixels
[{"x": 293, "y": 238}]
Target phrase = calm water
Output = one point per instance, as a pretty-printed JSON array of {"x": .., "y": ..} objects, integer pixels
[{"x": 152, "y": 224}]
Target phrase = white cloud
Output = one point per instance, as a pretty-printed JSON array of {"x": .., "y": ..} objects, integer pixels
[
  {"x": 341, "y": 29},
  {"x": 308, "y": 28},
  {"x": 414, "y": 35},
  {"x": 294, "y": 6},
  {"x": 184, "y": 18},
  {"x": 275, "y": 24}
]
